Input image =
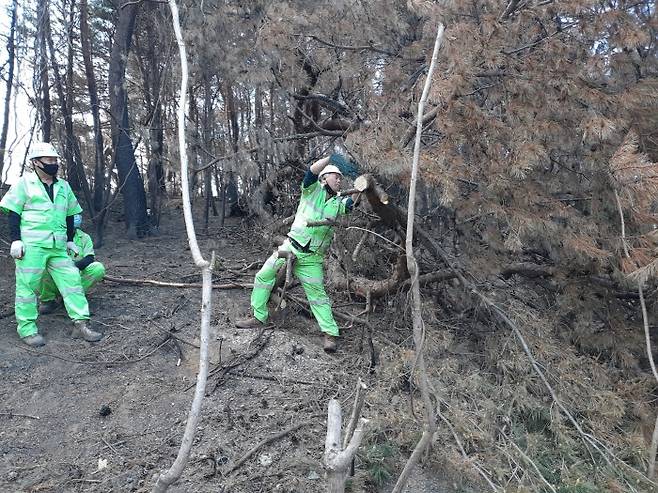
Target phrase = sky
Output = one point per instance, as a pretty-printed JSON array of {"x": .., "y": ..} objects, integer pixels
[{"x": 20, "y": 112}]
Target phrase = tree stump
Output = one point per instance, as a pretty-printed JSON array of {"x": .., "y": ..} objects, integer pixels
[{"x": 338, "y": 455}]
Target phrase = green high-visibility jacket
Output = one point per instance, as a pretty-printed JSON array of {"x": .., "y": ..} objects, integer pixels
[
  {"x": 84, "y": 243},
  {"x": 43, "y": 221},
  {"x": 316, "y": 205}
]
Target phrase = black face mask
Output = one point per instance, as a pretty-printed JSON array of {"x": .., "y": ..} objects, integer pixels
[{"x": 49, "y": 169}]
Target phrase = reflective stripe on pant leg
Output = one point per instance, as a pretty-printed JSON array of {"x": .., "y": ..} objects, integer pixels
[
  {"x": 48, "y": 290},
  {"x": 308, "y": 270},
  {"x": 263, "y": 284},
  {"x": 29, "y": 271},
  {"x": 67, "y": 279},
  {"x": 93, "y": 273}
]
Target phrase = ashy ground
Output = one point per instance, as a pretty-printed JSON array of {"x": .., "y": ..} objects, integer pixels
[{"x": 104, "y": 417}]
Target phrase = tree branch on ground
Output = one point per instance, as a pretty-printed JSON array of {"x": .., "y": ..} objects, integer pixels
[
  {"x": 264, "y": 442},
  {"x": 152, "y": 282}
]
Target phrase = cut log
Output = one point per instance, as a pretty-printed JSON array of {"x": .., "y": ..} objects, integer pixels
[{"x": 367, "y": 184}]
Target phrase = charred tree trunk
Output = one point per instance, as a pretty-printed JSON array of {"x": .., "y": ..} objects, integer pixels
[
  {"x": 75, "y": 171},
  {"x": 41, "y": 82},
  {"x": 99, "y": 194},
  {"x": 301, "y": 111},
  {"x": 193, "y": 117},
  {"x": 207, "y": 142},
  {"x": 130, "y": 179},
  {"x": 10, "y": 82},
  {"x": 258, "y": 107},
  {"x": 231, "y": 188},
  {"x": 74, "y": 166},
  {"x": 156, "y": 177},
  {"x": 152, "y": 74}
]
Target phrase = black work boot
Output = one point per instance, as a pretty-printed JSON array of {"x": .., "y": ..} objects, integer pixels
[
  {"x": 249, "y": 323},
  {"x": 35, "y": 340},
  {"x": 49, "y": 306},
  {"x": 81, "y": 331},
  {"x": 330, "y": 343}
]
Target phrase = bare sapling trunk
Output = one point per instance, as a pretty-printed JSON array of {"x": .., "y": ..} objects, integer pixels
[
  {"x": 651, "y": 469},
  {"x": 339, "y": 454},
  {"x": 167, "y": 478},
  {"x": 429, "y": 420}
]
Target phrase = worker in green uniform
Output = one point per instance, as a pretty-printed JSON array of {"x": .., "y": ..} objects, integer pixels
[
  {"x": 41, "y": 209},
  {"x": 320, "y": 201},
  {"x": 91, "y": 271}
]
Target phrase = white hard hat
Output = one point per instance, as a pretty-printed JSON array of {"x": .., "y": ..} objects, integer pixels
[
  {"x": 330, "y": 169},
  {"x": 42, "y": 149}
]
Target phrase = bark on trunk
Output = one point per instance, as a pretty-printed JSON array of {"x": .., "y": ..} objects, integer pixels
[
  {"x": 429, "y": 419},
  {"x": 74, "y": 167},
  {"x": 207, "y": 144},
  {"x": 130, "y": 178},
  {"x": 170, "y": 476},
  {"x": 231, "y": 190},
  {"x": 152, "y": 74},
  {"x": 43, "y": 89},
  {"x": 99, "y": 192}
]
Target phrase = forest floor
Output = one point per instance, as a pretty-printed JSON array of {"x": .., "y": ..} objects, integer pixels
[{"x": 109, "y": 416}]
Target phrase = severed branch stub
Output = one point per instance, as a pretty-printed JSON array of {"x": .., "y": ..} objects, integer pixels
[
  {"x": 338, "y": 457},
  {"x": 367, "y": 184}
]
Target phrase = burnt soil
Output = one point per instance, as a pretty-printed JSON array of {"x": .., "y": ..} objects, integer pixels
[{"x": 109, "y": 416}]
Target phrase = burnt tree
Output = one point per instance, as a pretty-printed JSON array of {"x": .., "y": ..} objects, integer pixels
[{"x": 130, "y": 178}]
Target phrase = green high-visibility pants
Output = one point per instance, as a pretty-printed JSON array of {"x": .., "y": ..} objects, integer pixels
[
  {"x": 308, "y": 269},
  {"x": 66, "y": 276},
  {"x": 89, "y": 276}
]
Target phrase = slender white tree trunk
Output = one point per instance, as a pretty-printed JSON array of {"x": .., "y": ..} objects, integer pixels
[
  {"x": 167, "y": 478},
  {"x": 429, "y": 420}
]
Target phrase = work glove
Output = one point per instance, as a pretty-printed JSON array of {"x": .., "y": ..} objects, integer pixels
[
  {"x": 17, "y": 249},
  {"x": 72, "y": 248},
  {"x": 347, "y": 167}
]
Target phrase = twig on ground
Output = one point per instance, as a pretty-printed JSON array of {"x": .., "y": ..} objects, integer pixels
[
  {"x": 470, "y": 460},
  {"x": 241, "y": 359},
  {"x": 152, "y": 282},
  {"x": 281, "y": 381},
  {"x": 174, "y": 336},
  {"x": 94, "y": 363},
  {"x": 264, "y": 442},
  {"x": 532, "y": 463},
  {"x": 108, "y": 445},
  {"x": 18, "y": 415},
  {"x": 111, "y": 447}
]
